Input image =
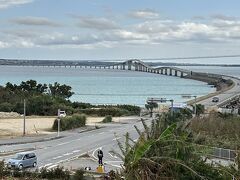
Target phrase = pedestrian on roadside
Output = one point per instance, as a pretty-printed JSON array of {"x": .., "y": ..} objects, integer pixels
[{"x": 100, "y": 156}]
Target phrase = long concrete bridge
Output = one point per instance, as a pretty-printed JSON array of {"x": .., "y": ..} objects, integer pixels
[{"x": 138, "y": 65}]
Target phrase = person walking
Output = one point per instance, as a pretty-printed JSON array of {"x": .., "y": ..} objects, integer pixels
[{"x": 100, "y": 156}]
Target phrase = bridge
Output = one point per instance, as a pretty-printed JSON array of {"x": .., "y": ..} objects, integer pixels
[{"x": 138, "y": 65}]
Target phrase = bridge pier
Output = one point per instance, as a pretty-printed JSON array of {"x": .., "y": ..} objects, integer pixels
[
  {"x": 165, "y": 71},
  {"x": 176, "y": 73},
  {"x": 170, "y": 72},
  {"x": 181, "y": 74},
  {"x": 129, "y": 64}
]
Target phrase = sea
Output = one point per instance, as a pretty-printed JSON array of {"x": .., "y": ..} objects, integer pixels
[{"x": 107, "y": 86}]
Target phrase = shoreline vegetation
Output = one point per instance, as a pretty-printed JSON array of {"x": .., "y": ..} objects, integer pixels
[{"x": 45, "y": 100}]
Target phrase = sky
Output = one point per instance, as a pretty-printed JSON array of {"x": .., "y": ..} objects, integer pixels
[{"x": 124, "y": 29}]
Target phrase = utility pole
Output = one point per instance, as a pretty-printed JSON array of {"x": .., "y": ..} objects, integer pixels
[
  {"x": 171, "y": 107},
  {"x": 24, "y": 117},
  {"x": 195, "y": 104},
  {"x": 58, "y": 133}
]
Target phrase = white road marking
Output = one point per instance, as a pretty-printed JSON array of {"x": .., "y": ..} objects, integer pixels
[
  {"x": 57, "y": 157},
  {"x": 114, "y": 156},
  {"x": 117, "y": 138},
  {"x": 94, "y": 153},
  {"x": 53, "y": 166},
  {"x": 67, "y": 154},
  {"x": 76, "y": 151},
  {"x": 49, "y": 164},
  {"x": 101, "y": 133},
  {"x": 62, "y": 143},
  {"x": 114, "y": 161}
]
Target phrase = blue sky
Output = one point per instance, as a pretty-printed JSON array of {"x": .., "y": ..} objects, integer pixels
[{"x": 110, "y": 29}]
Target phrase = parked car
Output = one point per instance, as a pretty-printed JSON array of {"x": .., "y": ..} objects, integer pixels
[
  {"x": 23, "y": 160},
  {"x": 62, "y": 114},
  {"x": 215, "y": 99}
]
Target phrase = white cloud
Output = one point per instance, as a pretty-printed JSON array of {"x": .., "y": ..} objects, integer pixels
[
  {"x": 9, "y": 3},
  {"x": 3, "y": 45},
  {"x": 35, "y": 21},
  {"x": 144, "y": 14},
  {"x": 97, "y": 23},
  {"x": 151, "y": 27},
  {"x": 106, "y": 33}
]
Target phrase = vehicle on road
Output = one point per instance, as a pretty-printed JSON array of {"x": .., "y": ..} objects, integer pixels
[
  {"x": 23, "y": 160},
  {"x": 215, "y": 99}
]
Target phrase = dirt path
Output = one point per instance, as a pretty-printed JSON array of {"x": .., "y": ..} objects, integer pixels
[{"x": 38, "y": 125}]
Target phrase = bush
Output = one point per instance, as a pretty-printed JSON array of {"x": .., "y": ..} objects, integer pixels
[
  {"x": 66, "y": 123},
  {"x": 56, "y": 173},
  {"x": 113, "y": 111},
  {"x": 81, "y": 105},
  {"x": 107, "y": 119},
  {"x": 6, "y": 107},
  {"x": 79, "y": 175},
  {"x": 2, "y": 169}
]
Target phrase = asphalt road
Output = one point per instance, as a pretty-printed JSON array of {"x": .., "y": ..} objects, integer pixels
[
  {"x": 51, "y": 153},
  {"x": 224, "y": 96}
]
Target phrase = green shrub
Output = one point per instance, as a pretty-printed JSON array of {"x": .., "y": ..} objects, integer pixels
[
  {"x": 56, "y": 173},
  {"x": 81, "y": 105},
  {"x": 133, "y": 110},
  {"x": 72, "y": 122},
  {"x": 107, "y": 119},
  {"x": 2, "y": 169},
  {"x": 79, "y": 174},
  {"x": 6, "y": 107},
  {"x": 113, "y": 111}
]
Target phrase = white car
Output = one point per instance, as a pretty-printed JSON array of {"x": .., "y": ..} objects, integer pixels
[
  {"x": 62, "y": 114},
  {"x": 215, "y": 99}
]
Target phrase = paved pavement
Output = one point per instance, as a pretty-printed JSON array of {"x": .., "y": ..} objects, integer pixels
[
  {"x": 224, "y": 96},
  {"x": 74, "y": 144}
]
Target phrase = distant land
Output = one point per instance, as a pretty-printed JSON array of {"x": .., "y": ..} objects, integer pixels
[{"x": 21, "y": 62}]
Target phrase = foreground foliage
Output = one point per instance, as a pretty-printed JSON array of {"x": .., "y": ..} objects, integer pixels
[{"x": 168, "y": 150}]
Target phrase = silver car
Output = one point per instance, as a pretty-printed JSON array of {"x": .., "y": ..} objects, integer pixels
[{"x": 23, "y": 160}]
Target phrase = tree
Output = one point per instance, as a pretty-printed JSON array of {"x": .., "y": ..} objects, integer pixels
[
  {"x": 200, "y": 109},
  {"x": 63, "y": 91},
  {"x": 150, "y": 106}
]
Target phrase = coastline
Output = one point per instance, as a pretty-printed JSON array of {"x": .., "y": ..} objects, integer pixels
[{"x": 227, "y": 90}]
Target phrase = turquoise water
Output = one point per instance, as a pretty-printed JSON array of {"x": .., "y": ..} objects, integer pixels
[
  {"x": 100, "y": 86},
  {"x": 231, "y": 71}
]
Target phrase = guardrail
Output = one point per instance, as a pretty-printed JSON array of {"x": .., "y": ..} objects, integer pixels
[{"x": 225, "y": 154}]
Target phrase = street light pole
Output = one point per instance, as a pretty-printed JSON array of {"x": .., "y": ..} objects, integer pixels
[
  {"x": 24, "y": 117},
  {"x": 195, "y": 101},
  {"x": 195, "y": 104},
  {"x": 171, "y": 107},
  {"x": 58, "y": 133}
]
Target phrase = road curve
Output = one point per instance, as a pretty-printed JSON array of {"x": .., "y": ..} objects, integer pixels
[{"x": 224, "y": 96}]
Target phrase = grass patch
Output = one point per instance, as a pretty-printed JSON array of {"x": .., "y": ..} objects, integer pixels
[{"x": 218, "y": 130}]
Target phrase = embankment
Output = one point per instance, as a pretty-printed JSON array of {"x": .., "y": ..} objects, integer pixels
[{"x": 218, "y": 81}]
